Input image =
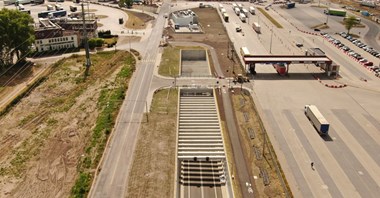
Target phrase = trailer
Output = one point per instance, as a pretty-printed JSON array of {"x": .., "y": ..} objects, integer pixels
[
  {"x": 225, "y": 17},
  {"x": 317, "y": 119},
  {"x": 242, "y": 17},
  {"x": 336, "y": 12},
  {"x": 256, "y": 27}
]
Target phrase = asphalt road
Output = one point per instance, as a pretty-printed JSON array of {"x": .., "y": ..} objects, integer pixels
[{"x": 113, "y": 178}]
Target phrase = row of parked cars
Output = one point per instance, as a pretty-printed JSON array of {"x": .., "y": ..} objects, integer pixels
[
  {"x": 354, "y": 54},
  {"x": 358, "y": 43}
]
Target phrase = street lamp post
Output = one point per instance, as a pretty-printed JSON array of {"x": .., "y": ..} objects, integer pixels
[{"x": 271, "y": 38}]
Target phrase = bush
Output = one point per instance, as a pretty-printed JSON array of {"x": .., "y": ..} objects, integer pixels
[{"x": 95, "y": 42}]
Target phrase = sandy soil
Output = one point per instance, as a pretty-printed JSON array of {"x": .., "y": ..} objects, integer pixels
[{"x": 43, "y": 137}]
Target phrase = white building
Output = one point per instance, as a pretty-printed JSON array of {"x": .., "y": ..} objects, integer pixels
[
  {"x": 56, "y": 43},
  {"x": 185, "y": 18}
]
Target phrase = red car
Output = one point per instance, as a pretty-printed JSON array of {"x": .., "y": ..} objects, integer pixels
[{"x": 368, "y": 63}]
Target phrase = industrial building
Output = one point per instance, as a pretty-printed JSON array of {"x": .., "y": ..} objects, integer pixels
[{"x": 185, "y": 18}]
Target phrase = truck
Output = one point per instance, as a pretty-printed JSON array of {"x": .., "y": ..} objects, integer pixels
[
  {"x": 223, "y": 10},
  {"x": 336, "y": 12},
  {"x": 280, "y": 68},
  {"x": 201, "y": 5},
  {"x": 240, "y": 6},
  {"x": 237, "y": 11},
  {"x": 221, "y": 6},
  {"x": 225, "y": 17},
  {"x": 242, "y": 17},
  {"x": 256, "y": 27},
  {"x": 252, "y": 10},
  {"x": 317, "y": 119},
  {"x": 290, "y": 5},
  {"x": 245, "y": 11},
  {"x": 60, "y": 13},
  {"x": 234, "y": 6}
]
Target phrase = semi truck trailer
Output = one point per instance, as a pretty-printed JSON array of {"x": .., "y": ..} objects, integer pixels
[
  {"x": 317, "y": 119},
  {"x": 256, "y": 27},
  {"x": 225, "y": 17},
  {"x": 336, "y": 12},
  {"x": 242, "y": 17}
]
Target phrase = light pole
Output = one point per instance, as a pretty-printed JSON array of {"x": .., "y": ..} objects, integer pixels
[{"x": 271, "y": 38}]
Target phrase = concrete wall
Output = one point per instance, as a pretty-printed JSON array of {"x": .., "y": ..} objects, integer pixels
[{"x": 193, "y": 55}]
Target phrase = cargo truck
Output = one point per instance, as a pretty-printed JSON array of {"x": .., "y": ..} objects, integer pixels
[
  {"x": 245, "y": 11},
  {"x": 223, "y": 10},
  {"x": 252, "y": 10},
  {"x": 221, "y": 6},
  {"x": 225, "y": 17},
  {"x": 336, "y": 12},
  {"x": 256, "y": 27},
  {"x": 317, "y": 119},
  {"x": 242, "y": 17},
  {"x": 237, "y": 11},
  {"x": 290, "y": 5},
  {"x": 234, "y": 6},
  {"x": 280, "y": 68}
]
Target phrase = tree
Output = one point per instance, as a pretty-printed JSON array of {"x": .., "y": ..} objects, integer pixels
[
  {"x": 16, "y": 36},
  {"x": 349, "y": 22},
  {"x": 127, "y": 3}
]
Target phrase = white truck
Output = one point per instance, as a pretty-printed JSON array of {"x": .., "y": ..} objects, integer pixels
[
  {"x": 234, "y": 6},
  {"x": 256, "y": 27},
  {"x": 252, "y": 10},
  {"x": 221, "y": 7},
  {"x": 317, "y": 119},
  {"x": 237, "y": 11},
  {"x": 240, "y": 6},
  {"x": 245, "y": 11},
  {"x": 243, "y": 18},
  {"x": 223, "y": 10}
]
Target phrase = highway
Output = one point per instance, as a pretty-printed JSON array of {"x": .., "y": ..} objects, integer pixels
[{"x": 113, "y": 177}]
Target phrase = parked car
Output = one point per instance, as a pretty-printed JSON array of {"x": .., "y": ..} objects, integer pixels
[
  {"x": 368, "y": 64},
  {"x": 363, "y": 60}
]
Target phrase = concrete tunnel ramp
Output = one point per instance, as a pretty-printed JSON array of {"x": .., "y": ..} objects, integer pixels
[
  {"x": 201, "y": 160},
  {"x": 194, "y": 63}
]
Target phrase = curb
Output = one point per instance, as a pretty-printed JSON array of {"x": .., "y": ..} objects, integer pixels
[{"x": 330, "y": 85}]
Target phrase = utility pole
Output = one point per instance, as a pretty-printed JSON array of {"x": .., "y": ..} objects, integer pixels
[
  {"x": 271, "y": 37},
  {"x": 85, "y": 42}
]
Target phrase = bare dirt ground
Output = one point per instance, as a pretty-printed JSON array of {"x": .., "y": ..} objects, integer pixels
[
  {"x": 43, "y": 137},
  {"x": 214, "y": 35},
  {"x": 247, "y": 117},
  {"x": 152, "y": 173}
]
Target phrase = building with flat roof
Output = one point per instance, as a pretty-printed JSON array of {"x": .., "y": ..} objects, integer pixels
[{"x": 184, "y": 18}]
